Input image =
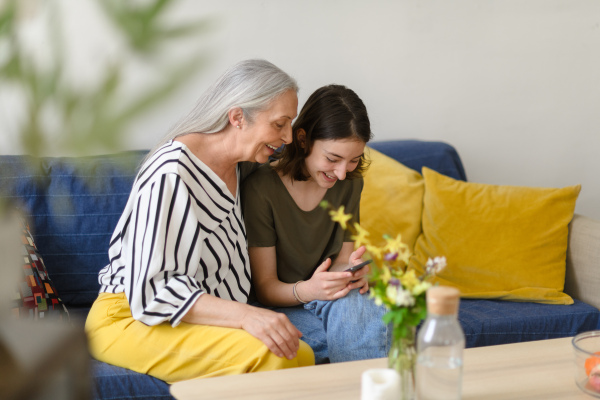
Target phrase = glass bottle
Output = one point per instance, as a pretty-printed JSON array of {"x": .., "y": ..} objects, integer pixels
[{"x": 440, "y": 345}]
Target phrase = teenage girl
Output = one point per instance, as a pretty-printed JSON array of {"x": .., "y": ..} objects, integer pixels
[{"x": 298, "y": 255}]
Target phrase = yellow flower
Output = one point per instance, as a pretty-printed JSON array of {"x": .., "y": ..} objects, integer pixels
[
  {"x": 360, "y": 237},
  {"x": 409, "y": 280},
  {"x": 339, "y": 216},
  {"x": 397, "y": 248},
  {"x": 376, "y": 252},
  {"x": 394, "y": 245},
  {"x": 405, "y": 256},
  {"x": 384, "y": 274},
  {"x": 421, "y": 287},
  {"x": 378, "y": 301}
]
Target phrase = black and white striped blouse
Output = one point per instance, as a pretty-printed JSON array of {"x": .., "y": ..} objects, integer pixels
[{"x": 181, "y": 235}]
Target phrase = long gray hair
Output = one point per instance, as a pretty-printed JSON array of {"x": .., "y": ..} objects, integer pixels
[{"x": 250, "y": 85}]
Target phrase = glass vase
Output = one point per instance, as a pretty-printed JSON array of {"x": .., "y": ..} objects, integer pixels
[{"x": 402, "y": 358}]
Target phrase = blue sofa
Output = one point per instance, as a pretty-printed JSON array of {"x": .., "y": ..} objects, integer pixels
[{"x": 74, "y": 205}]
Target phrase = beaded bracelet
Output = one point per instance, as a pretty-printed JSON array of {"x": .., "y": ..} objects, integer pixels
[{"x": 296, "y": 293}]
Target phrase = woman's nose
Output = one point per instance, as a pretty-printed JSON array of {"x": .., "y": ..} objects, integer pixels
[
  {"x": 340, "y": 172},
  {"x": 287, "y": 135}
]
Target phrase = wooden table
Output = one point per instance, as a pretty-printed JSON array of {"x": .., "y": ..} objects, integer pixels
[{"x": 541, "y": 370}]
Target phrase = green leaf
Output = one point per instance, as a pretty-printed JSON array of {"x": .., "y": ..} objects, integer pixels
[
  {"x": 186, "y": 30},
  {"x": 8, "y": 17},
  {"x": 91, "y": 119},
  {"x": 388, "y": 317}
]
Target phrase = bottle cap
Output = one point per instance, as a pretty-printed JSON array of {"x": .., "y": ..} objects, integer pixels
[{"x": 442, "y": 300}]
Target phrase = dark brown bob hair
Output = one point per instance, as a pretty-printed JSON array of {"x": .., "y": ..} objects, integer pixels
[{"x": 331, "y": 112}]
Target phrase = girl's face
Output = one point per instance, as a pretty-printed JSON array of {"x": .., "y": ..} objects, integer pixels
[{"x": 330, "y": 160}]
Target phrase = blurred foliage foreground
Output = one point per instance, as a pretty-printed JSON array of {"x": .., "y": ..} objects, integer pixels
[{"x": 58, "y": 115}]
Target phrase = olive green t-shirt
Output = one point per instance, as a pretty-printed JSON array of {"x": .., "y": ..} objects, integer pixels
[{"x": 302, "y": 239}]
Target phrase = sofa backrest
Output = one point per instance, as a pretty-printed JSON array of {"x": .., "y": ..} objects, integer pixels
[
  {"x": 416, "y": 154},
  {"x": 73, "y": 204}
]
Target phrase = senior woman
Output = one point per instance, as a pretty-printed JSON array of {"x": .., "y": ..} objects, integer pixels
[{"x": 173, "y": 299}]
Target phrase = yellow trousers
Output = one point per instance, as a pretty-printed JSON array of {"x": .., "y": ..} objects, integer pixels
[{"x": 174, "y": 354}]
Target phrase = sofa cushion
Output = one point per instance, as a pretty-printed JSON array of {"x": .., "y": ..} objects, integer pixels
[
  {"x": 492, "y": 322},
  {"x": 416, "y": 154},
  {"x": 73, "y": 205},
  {"x": 392, "y": 200},
  {"x": 501, "y": 242},
  {"x": 111, "y": 382}
]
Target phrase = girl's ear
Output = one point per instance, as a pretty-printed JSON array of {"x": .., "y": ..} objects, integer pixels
[
  {"x": 236, "y": 117},
  {"x": 301, "y": 137}
]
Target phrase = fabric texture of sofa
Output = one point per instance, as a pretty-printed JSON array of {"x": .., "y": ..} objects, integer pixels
[{"x": 73, "y": 205}]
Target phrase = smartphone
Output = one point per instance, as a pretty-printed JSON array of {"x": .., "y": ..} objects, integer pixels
[{"x": 358, "y": 266}]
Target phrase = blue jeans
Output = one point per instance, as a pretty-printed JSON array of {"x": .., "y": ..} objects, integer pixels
[{"x": 346, "y": 329}]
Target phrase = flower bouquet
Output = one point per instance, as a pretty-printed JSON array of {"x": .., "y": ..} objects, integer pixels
[{"x": 400, "y": 290}]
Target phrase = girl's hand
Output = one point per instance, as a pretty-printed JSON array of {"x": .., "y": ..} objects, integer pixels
[
  {"x": 360, "y": 277},
  {"x": 325, "y": 285}
]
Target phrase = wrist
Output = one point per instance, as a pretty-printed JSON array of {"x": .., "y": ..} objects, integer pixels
[
  {"x": 300, "y": 298},
  {"x": 241, "y": 313}
]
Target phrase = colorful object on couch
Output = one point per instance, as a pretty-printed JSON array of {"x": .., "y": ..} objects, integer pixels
[
  {"x": 36, "y": 296},
  {"x": 502, "y": 242}
]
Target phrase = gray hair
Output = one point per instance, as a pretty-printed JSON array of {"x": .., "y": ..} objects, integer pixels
[{"x": 250, "y": 85}]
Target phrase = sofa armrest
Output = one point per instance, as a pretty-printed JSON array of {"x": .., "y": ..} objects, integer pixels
[{"x": 582, "y": 280}]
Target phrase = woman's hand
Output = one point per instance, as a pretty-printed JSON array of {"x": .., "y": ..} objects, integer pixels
[
  {"x": 360, "y": 278},
  {"x": 273, "y": 329},
  {"x": 325, "y": 285}
]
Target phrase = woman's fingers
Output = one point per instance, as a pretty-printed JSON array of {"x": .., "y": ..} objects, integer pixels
[
  {"x": 361, "y": 283},
  {"x": 324, "y": 266},
  {"x": 364, "y": 289},
  {"x": 337, "y": 277},
  {"x": 273, "y": 329},
  {"x": 356, "y": 255}
]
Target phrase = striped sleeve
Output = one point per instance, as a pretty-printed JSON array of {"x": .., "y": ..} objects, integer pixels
[{"x": 164, "y": 247}]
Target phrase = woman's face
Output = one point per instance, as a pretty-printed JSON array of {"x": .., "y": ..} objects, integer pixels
[
  {"x": 272, "y": 127},
  {"x": 330, "y": 160}
]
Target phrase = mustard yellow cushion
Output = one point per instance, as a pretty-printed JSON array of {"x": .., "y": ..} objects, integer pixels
[
  {"x": 392, "y": 200},
  {"x": 501, "y": 242}
]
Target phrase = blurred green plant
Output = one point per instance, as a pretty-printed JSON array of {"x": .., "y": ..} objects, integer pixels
[{"x": 88, "y": 119}]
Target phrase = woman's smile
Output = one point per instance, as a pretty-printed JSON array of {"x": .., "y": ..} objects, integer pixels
[{"x": 330, "y": 178}]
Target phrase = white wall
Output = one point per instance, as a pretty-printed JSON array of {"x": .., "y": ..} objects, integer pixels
[{"x": 514, "y": 85}]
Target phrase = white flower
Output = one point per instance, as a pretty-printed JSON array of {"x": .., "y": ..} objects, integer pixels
[
  {"x": 404, "y": 298},
  {"x": 436, "y": 265},
  {"x": 391, "y": 292}
]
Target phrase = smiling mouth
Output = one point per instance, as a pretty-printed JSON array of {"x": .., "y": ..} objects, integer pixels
[
  {"x": 329, "y": 176},
  {"x": 272, "y": 147}
]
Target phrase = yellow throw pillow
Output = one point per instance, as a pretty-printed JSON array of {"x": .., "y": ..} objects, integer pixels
[
  {"x": 501, "y": 242},
  {"x": 392, "y": 200}
]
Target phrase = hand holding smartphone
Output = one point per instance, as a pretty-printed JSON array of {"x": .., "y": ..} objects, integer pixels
[{"x": 356, "y": 267}]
